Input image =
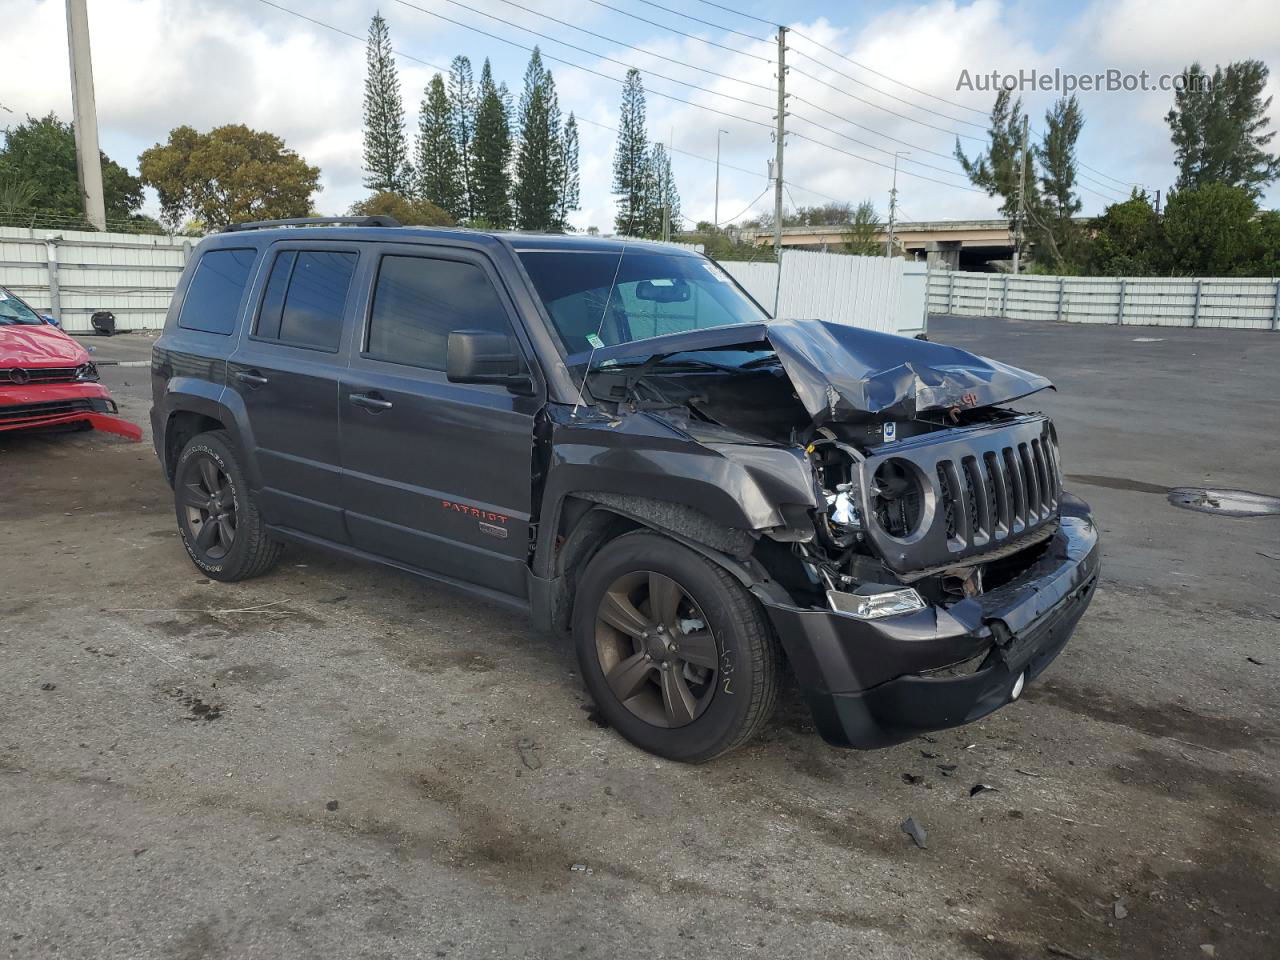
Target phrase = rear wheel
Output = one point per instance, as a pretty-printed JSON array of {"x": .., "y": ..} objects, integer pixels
[
  {"x": 677, "y": 654},
  {"x": 220, "y": 525}
]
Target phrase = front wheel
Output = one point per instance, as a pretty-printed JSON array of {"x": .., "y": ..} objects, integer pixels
[
  {"x": 220, "y": 525},
  {"x": 677, "y": 654}
]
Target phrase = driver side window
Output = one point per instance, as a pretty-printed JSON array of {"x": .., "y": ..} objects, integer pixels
[{"x": 419, "y": 301}]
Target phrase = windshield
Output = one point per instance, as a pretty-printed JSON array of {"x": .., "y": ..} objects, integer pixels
[
  {"x": 13, "y": 310},
  {"x": 654, "y": 294}
]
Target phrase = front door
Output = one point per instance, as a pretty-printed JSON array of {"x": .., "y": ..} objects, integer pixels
[
  {"x": 286, "y": 372},
  {"x": 436, "y": 475}
]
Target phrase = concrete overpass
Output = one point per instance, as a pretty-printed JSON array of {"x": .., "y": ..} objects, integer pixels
[{"x": 952, "y": 244}]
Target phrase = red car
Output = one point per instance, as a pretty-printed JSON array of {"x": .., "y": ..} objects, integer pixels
[{"x": 46, "y": 378}]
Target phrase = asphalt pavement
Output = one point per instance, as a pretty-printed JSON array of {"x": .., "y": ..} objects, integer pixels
[{"x": 341, "y": 760}]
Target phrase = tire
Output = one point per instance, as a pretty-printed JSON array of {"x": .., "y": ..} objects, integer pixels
[
  {"x": 644, "y": 699},
  {"x": 247, "y": 550}
]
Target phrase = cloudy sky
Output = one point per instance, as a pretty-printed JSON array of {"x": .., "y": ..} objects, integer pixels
[{"x": 160, "y": 63}]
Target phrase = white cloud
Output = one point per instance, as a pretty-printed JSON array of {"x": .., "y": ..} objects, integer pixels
[{"x": 161, "y": 63}]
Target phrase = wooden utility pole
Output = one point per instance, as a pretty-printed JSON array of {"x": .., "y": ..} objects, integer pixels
[{"x": 780, "y": 136}]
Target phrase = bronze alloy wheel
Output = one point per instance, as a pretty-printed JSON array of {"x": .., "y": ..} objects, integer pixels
[
  {"x": 656, "y": 650},
  {"x": 209, "y": 506}
]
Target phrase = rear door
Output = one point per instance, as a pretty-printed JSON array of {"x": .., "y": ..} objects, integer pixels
[
  {"x": 437, "y": 475},
  {"x": 286, "y": 371}
]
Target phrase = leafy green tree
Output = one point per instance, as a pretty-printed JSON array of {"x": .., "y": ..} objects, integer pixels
[
  {"x": 1218, "y": 126},
  {"x": 1127, "y": 240},
  {"x": 1210, "y": 231},
  {"x": 229, "y": 175},
  {"x": 437, "y": 152},
  {"x": 822, "y": 215},
  {"x": 491, "y": 155},
  {"x": 386, "y": 155},
  {"x": 38, "y": 172},
  {"x": 1057, "y": 238},
  {"x": 864, "y": 236},
  {"x": 462, "y": 119},
  {"x": 1267, "y": 262},
  {"x": 410, "y": 212},
  {"x": 570, "y": 181},
  {"x": 631, "y": 167},
  {"x": 538, "y": 157},
  {"x": 719, "y": 244},
  {"x": 996, "y": 170}
]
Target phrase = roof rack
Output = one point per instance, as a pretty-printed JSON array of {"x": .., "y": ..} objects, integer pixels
[{"x": 377, "y": 220}]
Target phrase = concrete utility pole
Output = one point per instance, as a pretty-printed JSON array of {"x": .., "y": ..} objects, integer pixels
[
  {"x": 893, "y": 203},
  {"x": 715, "y": 217},
  {"x": 85, "y": 115},
  {"x": 780, "y": 135},
  {"x": 1022, "y": 179}
]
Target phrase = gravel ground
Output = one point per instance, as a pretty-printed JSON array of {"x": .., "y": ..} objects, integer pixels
[{"x": 339, "y": 760}]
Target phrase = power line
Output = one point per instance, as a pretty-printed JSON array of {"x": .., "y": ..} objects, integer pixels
[
  {"x": 590, "y": 53},
  {"x": 872, "y": 146},
  {"x": 878, "y": 106},
  {"x": 741, "y": 13},
  {"x": 578, "y": 66},
  {"x": 630, "y": 46},
  {"x": 708, "y": 23},
  {"x": 1123, "y": 183},
  {"x": 885, "y": 76},
  {"x": 353, "y": 36},
  {"x": 908, "y": 173},
  {"x": 726, "y": 166},
  {"x": 663, "y": 26},
  {"x": 725, "y": 223}
]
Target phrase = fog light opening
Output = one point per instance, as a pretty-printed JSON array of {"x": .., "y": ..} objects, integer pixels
[{"x": 1018, "y": 685}]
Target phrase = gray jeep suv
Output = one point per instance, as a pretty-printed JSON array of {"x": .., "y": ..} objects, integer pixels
[{"x": 613, "y": 436}]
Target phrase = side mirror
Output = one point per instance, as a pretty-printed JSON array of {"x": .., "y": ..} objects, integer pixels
[
  {"x": 50, "y": 320},
  {"x": 481, "y": 356}
]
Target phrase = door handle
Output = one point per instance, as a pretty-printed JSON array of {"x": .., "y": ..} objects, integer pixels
[
  {"x": 370, "y": 401},
  {"x": 251, "y": 377}
]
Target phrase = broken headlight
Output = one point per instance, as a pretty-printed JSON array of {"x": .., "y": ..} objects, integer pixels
[
  {"x": 873, "y": 606},
  {"x": 86, "y": 373}
]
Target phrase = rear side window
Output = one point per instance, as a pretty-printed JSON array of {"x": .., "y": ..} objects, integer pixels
[
  {"x": 212, "y": 303},
  {"x": 305, "y": 297},
  {"x": 419, "y": 301}
]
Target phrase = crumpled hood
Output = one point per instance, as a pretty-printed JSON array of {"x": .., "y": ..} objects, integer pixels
[
  {"x": 23, "y": 345},
  {"x": 847, "y": 373},
  {"x": 842, "y": 372}
]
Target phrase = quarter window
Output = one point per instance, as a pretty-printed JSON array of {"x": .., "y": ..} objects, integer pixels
[
  {"x": 305, "y": 298},
  {"x": 419, "y": 301},
  {"x": 213, "y": 299}
]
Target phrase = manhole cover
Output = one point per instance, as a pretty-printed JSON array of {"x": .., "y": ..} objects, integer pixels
[{"x": 1228, "y": 503}]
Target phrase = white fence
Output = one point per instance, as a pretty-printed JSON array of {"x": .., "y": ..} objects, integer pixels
[
  {"x": 71, "y": 274},
  {"x": 1240, "y": 303},
  {"x": 869, "y": 292}
]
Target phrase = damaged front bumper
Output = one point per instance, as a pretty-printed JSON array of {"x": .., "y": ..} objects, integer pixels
[
  {"x": 873, "y": 683},
  {"x": 41, "y": 406}
]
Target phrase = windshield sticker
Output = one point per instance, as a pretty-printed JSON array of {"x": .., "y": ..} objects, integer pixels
[
  {"x": 595, "y": 341},
  {"x": 890, "y": 432},
  {"x": 3, "y": 295}
]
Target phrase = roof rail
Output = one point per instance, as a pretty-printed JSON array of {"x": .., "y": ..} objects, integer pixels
[{"x": 377, "y": 220}]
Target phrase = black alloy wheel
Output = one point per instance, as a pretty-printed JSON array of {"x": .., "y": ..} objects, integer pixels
[
  {"x": 656, "y": 650},
  {"x": 209, "y": 506}
]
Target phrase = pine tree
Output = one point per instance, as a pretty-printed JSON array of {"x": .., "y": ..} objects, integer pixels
[
  {"x": 437, "y": 152},
  {"x": 1217, "y": 127},
  {"x": 663, "y": 202},
  {"x": 462, "y": 102},
  {"x": 570, "y": 182},
  {"x": 631, "y": 168},
  {"x": 538, "y": 175},
  {"x": 1057, "y": 238},
  {"x": 386, "y": 159},
  {"x": 491, "y": 156}
]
